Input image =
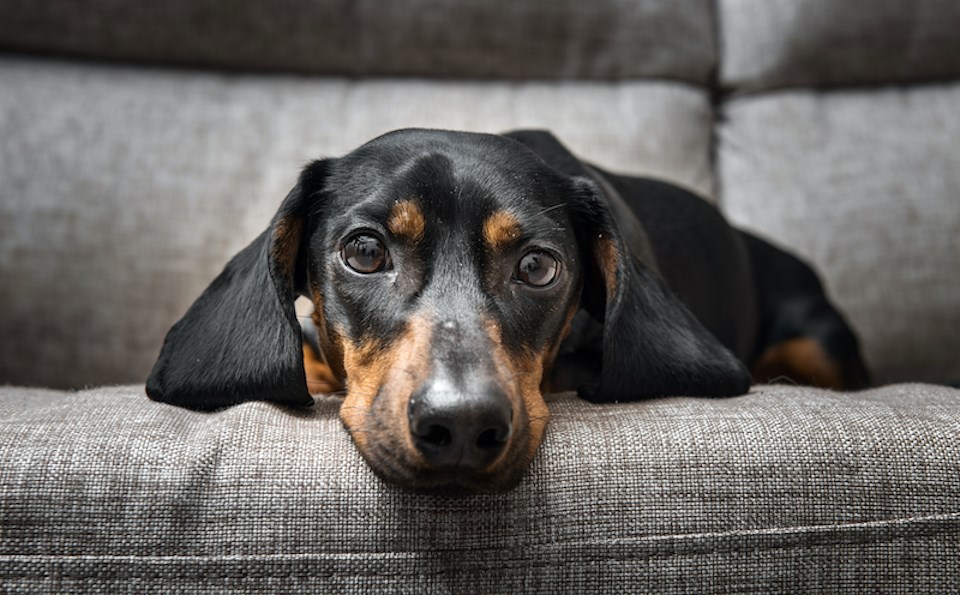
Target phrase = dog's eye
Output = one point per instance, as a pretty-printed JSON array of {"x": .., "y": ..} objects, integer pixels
[
  {"x": 365, "y": 253},
  {"x": 537, "y": 268}
]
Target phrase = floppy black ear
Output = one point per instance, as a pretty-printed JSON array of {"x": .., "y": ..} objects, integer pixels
[
  {"x": 240, "y": 341},
  {"x": 652, "y": 344}
]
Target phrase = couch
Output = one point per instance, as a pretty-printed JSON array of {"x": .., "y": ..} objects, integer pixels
[{"x": 142, "y": 144}]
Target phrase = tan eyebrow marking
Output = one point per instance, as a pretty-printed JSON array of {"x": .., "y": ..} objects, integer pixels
[
  {"x": 500, "y": 229},
  {"x": 406, "y": 220}
]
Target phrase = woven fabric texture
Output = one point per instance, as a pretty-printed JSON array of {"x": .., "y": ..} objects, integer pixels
[
  {"x": 601, "y": 39},
  {"x": 866, "y": 185},
  {"x": 784, "y": 489},
  {"x": 127, "y": 190},
  {"x": 777, "y": 43}
]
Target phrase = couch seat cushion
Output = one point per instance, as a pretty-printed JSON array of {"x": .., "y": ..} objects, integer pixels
[{"x": 785, "y": 489}]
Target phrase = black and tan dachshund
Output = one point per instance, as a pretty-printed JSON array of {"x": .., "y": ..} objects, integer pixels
[{"x": 456, "y": 277}]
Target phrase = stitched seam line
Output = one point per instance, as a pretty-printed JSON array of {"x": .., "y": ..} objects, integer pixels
[{"x": 672, "y": 545}]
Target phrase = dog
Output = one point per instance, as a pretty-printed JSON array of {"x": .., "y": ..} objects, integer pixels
[{"x": 456, "y": 277}]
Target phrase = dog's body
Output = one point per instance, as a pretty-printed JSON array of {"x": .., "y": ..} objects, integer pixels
[{"x": 455, "y": 276}]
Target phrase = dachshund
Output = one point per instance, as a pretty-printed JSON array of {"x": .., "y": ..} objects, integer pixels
[{"x": 456, "y": 277}]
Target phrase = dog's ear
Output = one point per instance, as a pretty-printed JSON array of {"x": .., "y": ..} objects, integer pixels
[
  {"x": 652, "y": 344},
  {"x": 240, "y": 340}
]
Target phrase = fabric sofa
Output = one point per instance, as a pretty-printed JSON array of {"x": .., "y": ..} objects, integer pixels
[{"x": 143, "y": 144}]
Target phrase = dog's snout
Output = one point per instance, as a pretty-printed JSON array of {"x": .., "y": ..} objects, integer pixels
[{"x": 456, "y": 429}]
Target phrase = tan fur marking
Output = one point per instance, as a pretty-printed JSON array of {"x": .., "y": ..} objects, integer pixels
[
  {"x": 500, "y": 229},
  {"x": 286, "y": 242},
  {"x": 406, "y": 221},
  {"x": 608, "y": 258},
  {"x": 320, "y": 378},
  {"x": 521, "y": 377},
  {"x": 365, "y": 372},
  {"x": 801, "y": 360},
  {"x": 372, "y": 368},
  {"x": 330, "y": 343},
  {"x": 286, "y": 234}
]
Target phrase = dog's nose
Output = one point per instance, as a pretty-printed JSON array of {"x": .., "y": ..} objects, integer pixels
[{"x": 452, "y": 429}]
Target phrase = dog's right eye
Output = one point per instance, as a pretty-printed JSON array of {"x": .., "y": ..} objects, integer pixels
[{"x": 365, "y": 253}]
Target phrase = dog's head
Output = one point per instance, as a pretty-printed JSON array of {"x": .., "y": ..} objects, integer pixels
[{"x": 445, "y": 270}]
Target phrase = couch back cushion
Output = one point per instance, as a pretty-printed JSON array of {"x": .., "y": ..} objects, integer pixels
[
  {"x": 472, "y": 38},
  {"x": 776, "y": 43},
  {"x": 125, "y": 191},
  {"x": 831, "y": 147},
  {"x": 866, "y": 185}
]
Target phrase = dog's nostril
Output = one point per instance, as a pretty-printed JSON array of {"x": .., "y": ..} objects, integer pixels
[
  {"x": 492, "y": 439},
  {"x": 437, "y": 435}
]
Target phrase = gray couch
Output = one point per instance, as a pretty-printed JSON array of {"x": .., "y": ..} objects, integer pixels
[{"x": 142, "y": 144}]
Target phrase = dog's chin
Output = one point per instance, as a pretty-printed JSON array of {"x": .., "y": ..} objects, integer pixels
[
  {"x": 455, "y": 481},
  {"x": 394, "y": 468}
]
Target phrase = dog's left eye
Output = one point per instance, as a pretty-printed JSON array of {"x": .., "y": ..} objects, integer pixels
[
  {"x": 365, "y": 253},
  {"x": 537, "y": 268}
]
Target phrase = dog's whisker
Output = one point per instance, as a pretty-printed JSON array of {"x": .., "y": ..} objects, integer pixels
[
  {"x": 784, "y": 379},
  {"x": 517, "y": 376},
  {"x": 552, "y": 208}
]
